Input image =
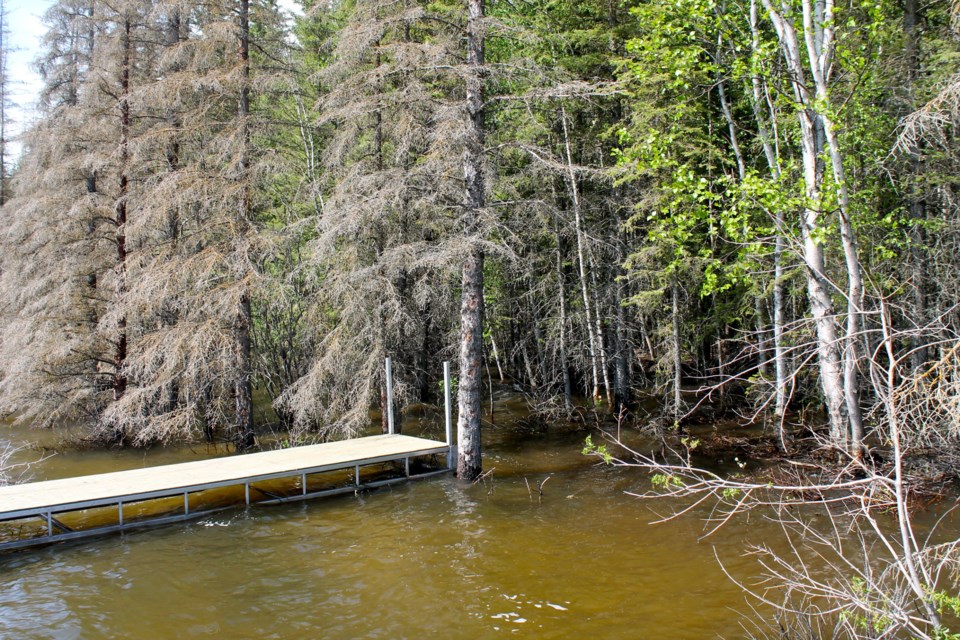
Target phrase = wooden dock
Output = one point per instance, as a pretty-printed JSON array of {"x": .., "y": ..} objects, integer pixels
[{"x": 47, "y": 500}]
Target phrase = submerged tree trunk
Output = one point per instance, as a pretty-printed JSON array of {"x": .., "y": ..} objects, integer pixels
[{"x": 469, "y": 398}]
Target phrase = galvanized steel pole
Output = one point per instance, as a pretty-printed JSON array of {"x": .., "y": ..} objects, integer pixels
[
  {"x": 390, "y": 427},
  {"x": 448, "y": 411}
]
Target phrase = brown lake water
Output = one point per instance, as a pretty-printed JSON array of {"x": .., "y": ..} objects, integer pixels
[{"x": 426, "y": 559}]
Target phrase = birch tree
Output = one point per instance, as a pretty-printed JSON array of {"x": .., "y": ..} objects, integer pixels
[{"x": 811, "y": 68}]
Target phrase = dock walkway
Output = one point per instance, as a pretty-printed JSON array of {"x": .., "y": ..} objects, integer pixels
[{"x": 47, "y": 499}]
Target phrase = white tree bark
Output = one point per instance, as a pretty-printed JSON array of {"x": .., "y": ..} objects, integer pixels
[
  {"x": 581, "y": 259},
  {"x": 771, "y": 153},
  {"x": 811, "y": 227},
  {"x": 820, "y": 36}
]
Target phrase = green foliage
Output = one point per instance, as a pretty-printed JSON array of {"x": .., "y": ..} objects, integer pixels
[
  {"x": 591, "y": 449},
  {"x": 946, "y": 602},
  {"x": 665, "y": 481},
  {"x": 731, "y": 493},
  {"x": 942, "y": 633}
]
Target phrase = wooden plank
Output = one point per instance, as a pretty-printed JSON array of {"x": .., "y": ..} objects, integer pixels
[{"x": 22, "y": 500}]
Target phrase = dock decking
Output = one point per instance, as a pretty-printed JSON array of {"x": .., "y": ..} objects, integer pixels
[{"x": 48, "y": 498}]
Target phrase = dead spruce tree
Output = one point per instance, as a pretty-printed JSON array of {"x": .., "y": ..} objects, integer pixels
[
  {"x": 65, "y": 267},
  {"x": 387, "y": 238},
  {"x": 198, "y": 229}
]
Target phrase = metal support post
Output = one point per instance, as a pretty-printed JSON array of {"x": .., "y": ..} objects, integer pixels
[
  {"x": 390, "y": 426},
  {"x": 120, "y": 512},
  {"x": 186, "y": 503},
  {"x": 448, "y": 412}
]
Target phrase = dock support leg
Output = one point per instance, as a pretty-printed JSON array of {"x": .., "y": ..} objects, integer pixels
[
  {"x": 391, "y": 429},
  {"x": 120, "y": 512},
  {"x": 186, "y": 503},
  {"x": 357, "y": 476},
  {"x": 303, "y": 484},
  {"x": 49, "y": 523},
  {"x": 406, "y": 465},
  {"x": 448, "y": 412},
  {"x": 246, "y": 492}
]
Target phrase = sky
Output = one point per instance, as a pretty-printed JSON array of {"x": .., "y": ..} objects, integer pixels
[{"x": 26, "y": 32}]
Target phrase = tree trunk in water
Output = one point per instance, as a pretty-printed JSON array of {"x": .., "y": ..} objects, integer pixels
[
  {"x": 469, "y": 390},
  {"x": 469, "y": 464}
]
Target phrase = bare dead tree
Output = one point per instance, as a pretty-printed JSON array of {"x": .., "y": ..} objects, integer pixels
[{"x": 381, "y": 264}]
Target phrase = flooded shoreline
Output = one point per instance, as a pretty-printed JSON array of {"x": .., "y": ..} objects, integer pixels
[{"x": 425, "y": 559}]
